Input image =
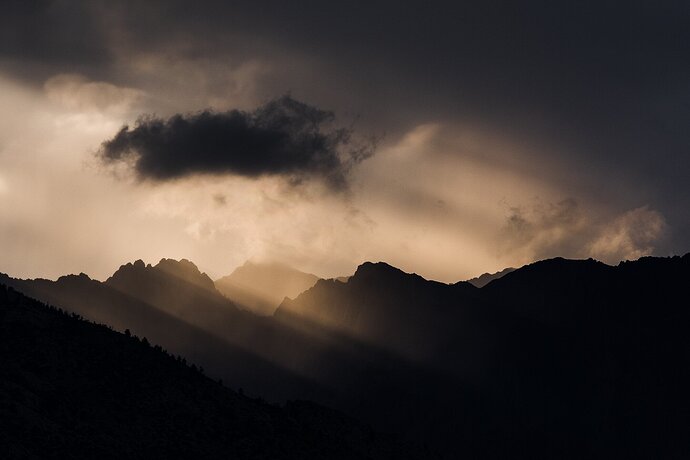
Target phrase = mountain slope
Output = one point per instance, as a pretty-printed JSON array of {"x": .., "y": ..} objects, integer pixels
[
  {"x": 72, "y": 389},
  {"x": 558, "y": 359},
  {"x": 261, "y": 287},
  {"x": 570, "y": 358},
  {"x": 301, "y": 362},
  {"x": 268, "y": 356},
  {"x": 224, "y": 356},
  {"x": 486, "y": 278},
  {"x": 176, "y": 287},
  {"x": 386, "y": 307}
]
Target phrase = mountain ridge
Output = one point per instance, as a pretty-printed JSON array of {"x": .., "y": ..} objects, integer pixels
[
  {"x": 261, "y": 287},
  {"x": 549, "y": 359},
  {"x": 85, "y": 391},
  {"x": 485, "y": 278}
]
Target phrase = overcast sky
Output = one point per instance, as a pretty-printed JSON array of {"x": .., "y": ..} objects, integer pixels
[{"x": 446, "y": 138}]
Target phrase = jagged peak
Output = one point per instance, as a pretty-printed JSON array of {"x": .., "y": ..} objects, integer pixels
[
  {"x": 381, "y": 270},
  {"x": 186, "y": 270},
  {"x": 136, "y": 265},
  {"x": 183, "y": 269},
  {"x": 182, "y": 264},
  {"x": 81, "y": 277}
]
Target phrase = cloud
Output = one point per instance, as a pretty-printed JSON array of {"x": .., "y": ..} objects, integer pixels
[
  {"x": 38, "y": 38},
  {"x": 76, "y": 92},
  {"x": 588, "y": 97},
  {"x": 284, "y": 137},
  {"x": 629, "y": 236},
  {"x": 566, "y": 229},
  {"x": 545, "y": 230}
]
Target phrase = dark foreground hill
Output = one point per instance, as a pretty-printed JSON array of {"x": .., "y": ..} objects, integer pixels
[{"x": 70, "y": 389}]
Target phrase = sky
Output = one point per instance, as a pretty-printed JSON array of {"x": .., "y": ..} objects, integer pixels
[{"x": 445, "y": 138}]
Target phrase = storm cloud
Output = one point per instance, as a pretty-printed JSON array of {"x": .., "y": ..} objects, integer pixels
[
  {"x": 282, "y": 137},
  {"x": 483, "y": 105}
]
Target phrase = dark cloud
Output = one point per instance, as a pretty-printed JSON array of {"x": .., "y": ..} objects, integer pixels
[
  {"x": 39, "y": 38},
  {"x": 283, "y": 137}
]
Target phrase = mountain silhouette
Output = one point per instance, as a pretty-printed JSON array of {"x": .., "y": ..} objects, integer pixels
[
  {"x": 267, "y": 356},
  {"x": 557, "y": 359},
  {"x": 386, "y": 307},
  {"x": 261, "y": 287},
  {"x": 223, "y": 354},
  {"x": 74, "y": 389},
  {"x": 486, "y": 278},
  {"x": 177, "y": 288},
  {"x": 569, "y": 358}
]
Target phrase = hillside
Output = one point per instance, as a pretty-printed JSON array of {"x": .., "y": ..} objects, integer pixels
[
  {"x": 222, "y": 354},
  {"x": 560, "y": 358},
  {"x": 74, "y": 389},
  {"x": 557, "y": 359}
]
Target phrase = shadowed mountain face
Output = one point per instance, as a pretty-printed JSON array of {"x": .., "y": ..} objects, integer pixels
[
  {"x": 187, "y": 320},
  {"x": 179, "y": 289},
  {"x": 385, "y": 307},
  {"x": 261, "y": 287},
  {"x": 72, "y": 389},
  {"x": 486, "y": 278},
  {"x": 568, "y": 358},
  {"x": 558, "y": 359}
]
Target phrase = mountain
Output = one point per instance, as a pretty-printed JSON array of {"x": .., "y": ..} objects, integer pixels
[
  {"x": 486, "y": 278},
  {"x": 268, "y": 356},
  {"x": 557, "y": 359},
  {"x": 74, "y": 389},
  {"x": 261, "y": 287},
  {"x": 188, "y": 320},
  {"x": 304, "y": 362},
  {"x": 180, "y": 289},
  {"x": 386, "y": 307}
]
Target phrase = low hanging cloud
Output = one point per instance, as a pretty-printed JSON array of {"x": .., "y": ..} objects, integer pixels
[
  {"x": 566, "y": 229},
  {"x": 283, "y": 137}
]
